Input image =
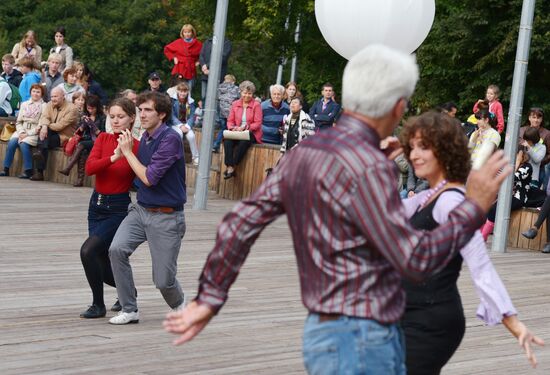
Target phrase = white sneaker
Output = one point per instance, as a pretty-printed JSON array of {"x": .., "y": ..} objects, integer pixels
[
  {"x": 125, "y": 318},
  {"x": 195, "y": 161}
]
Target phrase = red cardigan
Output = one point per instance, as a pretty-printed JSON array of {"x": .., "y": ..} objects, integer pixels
[
  {"x": 110, "y": 178},
  {"x": 187, "y": 54},
  {"x": 254, "y": 117}
]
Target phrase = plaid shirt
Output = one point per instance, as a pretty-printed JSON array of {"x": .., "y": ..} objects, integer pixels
[{"x": 352, "y": 239}]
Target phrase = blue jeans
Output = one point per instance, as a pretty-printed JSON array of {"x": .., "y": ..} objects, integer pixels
[
  {"x": 25, "y": 151},
  {"x": 219, "y": 137},
  {"x": 353, "y": 346}
]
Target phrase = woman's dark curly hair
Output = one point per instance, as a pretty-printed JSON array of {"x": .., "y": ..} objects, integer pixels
[{"x": 445, "y": 137}]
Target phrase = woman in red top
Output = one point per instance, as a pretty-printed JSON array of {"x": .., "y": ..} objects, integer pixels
[
  {"x": 185, "y": 54},
  {"x": 108, "y": 204}
]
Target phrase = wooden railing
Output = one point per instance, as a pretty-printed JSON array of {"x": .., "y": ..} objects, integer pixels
[{"x": 251, "y": 172}]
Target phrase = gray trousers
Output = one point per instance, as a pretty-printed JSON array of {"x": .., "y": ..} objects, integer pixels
[{"x": 163, "y": 232}]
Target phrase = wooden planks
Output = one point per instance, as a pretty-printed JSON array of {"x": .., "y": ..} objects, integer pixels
[
  {"x": 521, "y": 221},
  {"x": 43, "y": 289},
  {"x": 251, "y": 172}
]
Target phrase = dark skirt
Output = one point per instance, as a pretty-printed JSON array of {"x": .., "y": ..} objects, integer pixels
[
  {"x": 105, "y": 214},
  {"x": 432, "y": 334}
]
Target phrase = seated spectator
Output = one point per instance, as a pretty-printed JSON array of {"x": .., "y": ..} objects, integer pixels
[
  {"x": 485, "y": 139},
  {"x": 86, "y": 79},
  {"x": 91, "y": 123},
  {"x": 536, "y": 150},
  {"x": 5, "y": 96},
  {"x": 535, "y": 119},
  {"x": 297, "y": 126},
  {"x": 183, "y": 115},
  {"x": 30, "y": 77},
  {"x": 228, "y": 92},
  {"x": 543, "y": 215},
  {"x": 273, "y": 111},
  {"x": 53, "y": 76},
  {"x": 184, "y": 52},
  {"x": 57, "y": 124},
  {"x": 13, "y": 76},
  {"x": 70, "y": 86},
  {"x": 325, "y": 110},
  {"x": 155, "y": 83},
  {"x": 245, "y": 114},
  {"x": 292, "y": 91},
  {"x": 137, "y": 130},
  {"x": 449, "y": 108},
  {"x": 62, "y": 49},
  {"x": 26, "y": 134},
  {"x": 27, "y": 47},
  {"x": 524, "y": 194},
  {"x": 198, "y": 114}
]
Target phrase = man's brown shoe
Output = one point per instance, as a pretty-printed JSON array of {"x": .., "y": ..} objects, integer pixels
[{"x": 37, "y": 176}]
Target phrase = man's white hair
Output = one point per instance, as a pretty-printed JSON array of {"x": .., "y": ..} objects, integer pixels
[
  {"x": 277, "y": 87},
  {"x": 376, "y": 78}
]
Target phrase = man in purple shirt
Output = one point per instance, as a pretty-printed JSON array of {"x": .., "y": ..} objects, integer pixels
[
  {"x": 352, "y": 239},
  {"x": 157, "y": 217}
]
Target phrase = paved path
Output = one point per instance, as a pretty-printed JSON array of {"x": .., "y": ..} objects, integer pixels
[{"x": 43, "y": 289}]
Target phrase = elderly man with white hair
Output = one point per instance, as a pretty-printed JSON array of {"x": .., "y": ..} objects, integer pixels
[
  {"x": 352, "y": 239},
  {"x": 274, "y": 111},
  {"x": 57, "y": 124}
]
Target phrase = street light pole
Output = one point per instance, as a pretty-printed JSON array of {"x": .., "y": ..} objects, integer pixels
[
  {"x": 205, "y": 156},
  {"x": 504, "y": 203}
]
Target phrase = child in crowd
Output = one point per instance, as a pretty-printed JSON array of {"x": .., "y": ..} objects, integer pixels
[
  {"x": 492, "y": 95},
  {"x": 228, "y": 92},
  {"x": 28, "y": 67},
  {"x": 485, "y": 140}
]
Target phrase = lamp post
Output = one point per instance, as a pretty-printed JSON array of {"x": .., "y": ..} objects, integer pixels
[
  {"x": 205, "y": 156},
  {"x": 502, "y": 219}
]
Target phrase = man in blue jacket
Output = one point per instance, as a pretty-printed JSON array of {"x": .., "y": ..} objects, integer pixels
[
  {"x": 325, "y": 110},
  {"x": 274, "y": 110}
]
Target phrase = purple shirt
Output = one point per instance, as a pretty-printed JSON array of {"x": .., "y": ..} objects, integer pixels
[
  {"x": 495, "y": 301},
  {"x": 352, "y": 239},
  {"x": 162, "y": 154}
]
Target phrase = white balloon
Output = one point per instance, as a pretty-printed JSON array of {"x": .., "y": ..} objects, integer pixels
[{"x": 350, "y": 25}]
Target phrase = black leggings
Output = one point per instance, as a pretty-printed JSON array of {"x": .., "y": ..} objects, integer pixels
[
  {"x": 543, "y": 215},
  {"x": 94, "y": 255}
]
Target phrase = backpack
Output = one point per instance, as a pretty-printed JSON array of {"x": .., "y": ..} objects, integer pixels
[{"x": 15, "y": 100}]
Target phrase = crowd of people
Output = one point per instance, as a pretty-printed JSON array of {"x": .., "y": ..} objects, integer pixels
[{"x": 360, "y": 268}]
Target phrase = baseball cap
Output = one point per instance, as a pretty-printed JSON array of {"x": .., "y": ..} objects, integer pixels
[{"x": 154, "y": 75}]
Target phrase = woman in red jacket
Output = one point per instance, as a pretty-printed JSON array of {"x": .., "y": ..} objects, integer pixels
[
  {"x": 185, "y": 54},
  {"x": 245, "y": 114},
  {"x": 108, "y": 204}
]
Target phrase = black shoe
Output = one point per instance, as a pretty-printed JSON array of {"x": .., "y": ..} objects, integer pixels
[
  {"x": 531, "y": 233},
  {"x": 117, "y": 306},
  {"x": 37, "y": 176},
  {"x": 5, "y": 172},
  {"x": 227, "y": 175},
  {"x": 94, "y": 311},
  {"x": 24, "y": 176},
  {"x": 546, "y": 248},
  {"x": 216, "y": 150}
]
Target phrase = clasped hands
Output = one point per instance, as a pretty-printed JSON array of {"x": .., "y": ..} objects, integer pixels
[{"x": 125, "y": 145}]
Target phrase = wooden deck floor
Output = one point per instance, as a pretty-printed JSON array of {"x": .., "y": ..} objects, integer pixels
[{"x": 43, "y": 289}]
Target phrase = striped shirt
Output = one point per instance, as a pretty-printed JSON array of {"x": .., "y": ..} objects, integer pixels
[{"x": 350, "y": 232}]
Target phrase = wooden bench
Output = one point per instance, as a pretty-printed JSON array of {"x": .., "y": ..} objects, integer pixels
[
  {"x": 57, "y": 160},
  {"x": 250, "y": 172},
  {"x": 520, "y": 221}
]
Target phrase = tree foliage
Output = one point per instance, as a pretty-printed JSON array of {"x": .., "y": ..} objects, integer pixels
[{"x": 472, "y": 44}]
